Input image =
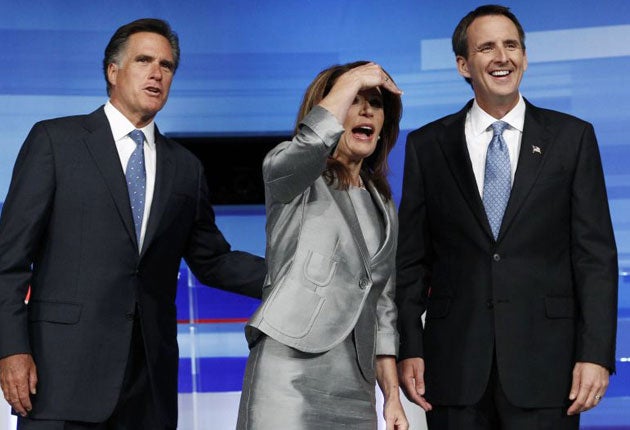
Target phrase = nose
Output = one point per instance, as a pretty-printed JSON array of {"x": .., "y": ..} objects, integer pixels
[
  {"x": 501, "y": 54},
  {"x": 366, "y": 108},
  {"x": 156, "y": 71}
]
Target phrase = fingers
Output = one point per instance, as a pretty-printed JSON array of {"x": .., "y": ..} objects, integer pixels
[
  {"x": 372, "y": 75},
  {"x": 411, "y": 375},
  {"x": 383, "y": 80},
  {"x": 589, "y": 385},
  {"x": 18, "y": 379}
]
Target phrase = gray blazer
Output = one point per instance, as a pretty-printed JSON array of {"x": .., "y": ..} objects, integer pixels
[{"x": 321, "y": 281}]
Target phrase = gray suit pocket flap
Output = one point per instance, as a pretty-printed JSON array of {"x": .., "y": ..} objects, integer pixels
[
  {"x": 438, "y": 307},
  {"x": 560, "y": 307},
  {"x": 57, "y": 312}
]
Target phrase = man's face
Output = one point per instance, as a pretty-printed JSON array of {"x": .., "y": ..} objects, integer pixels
[
  {"x": 495, "y": 64},
  {"x": 141, "y": 80}
]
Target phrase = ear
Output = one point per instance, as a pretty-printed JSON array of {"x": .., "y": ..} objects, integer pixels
[
  {"x": 524, "y": 60},
  {"x": 112, "y": 73},
  {"x": 462, "y": 66}
]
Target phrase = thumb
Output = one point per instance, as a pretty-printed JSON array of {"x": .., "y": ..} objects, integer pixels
[
  {"x": 32, "y": 380},
  {"x": 575, "y": 385}
]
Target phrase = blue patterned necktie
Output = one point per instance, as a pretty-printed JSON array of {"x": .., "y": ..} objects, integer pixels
[
  {"x": 136, "y": 181},
  {"x": 498, "y": 178}
]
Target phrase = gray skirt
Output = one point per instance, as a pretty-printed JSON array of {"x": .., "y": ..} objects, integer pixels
[{"x": 286, "y": 389}]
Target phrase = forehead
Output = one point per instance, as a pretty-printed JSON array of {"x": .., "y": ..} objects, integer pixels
[
  {"x": 150, "y": 44},
  {"x": 490, "y": 28}
]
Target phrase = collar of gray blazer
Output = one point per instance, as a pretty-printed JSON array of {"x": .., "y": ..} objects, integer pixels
[{"x": 342, "y": 198}]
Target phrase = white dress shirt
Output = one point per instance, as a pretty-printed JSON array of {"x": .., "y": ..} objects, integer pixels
[
  {"x": 479, "y": 134},
  {"x": 121, "y": 127}
]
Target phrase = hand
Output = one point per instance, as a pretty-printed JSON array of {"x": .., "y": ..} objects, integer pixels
[
  {"x": 411, "y": 375},
  {"x": 590, "y": 382},
  {"x": 348, "y": 85},
  {"x": 18, "y": 379},
  {"x": 394, "y": 414}
]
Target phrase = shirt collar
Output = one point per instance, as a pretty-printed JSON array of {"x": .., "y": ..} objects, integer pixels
[
  {"x": 481, "y": 120},
  {"x": 121, "y": 126}
]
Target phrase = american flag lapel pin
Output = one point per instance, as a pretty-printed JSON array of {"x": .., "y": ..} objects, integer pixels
[{"x": 536, "y": 150}]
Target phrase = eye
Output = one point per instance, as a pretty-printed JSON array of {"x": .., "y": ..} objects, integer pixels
[
  {"x": 168, "y": 65},
  {"x": 486, "y": 49},
  {"x": 376, "y": 102},
  {"x": 512, "y": 46}
]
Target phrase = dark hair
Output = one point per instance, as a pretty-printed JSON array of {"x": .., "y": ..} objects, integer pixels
[
  {"x": 460, "y": 36},
  {"x": 118, "y": 43},
  {"x": 375, "y": 167}
]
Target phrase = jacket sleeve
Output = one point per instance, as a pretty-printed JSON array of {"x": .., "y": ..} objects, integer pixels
[
  {"x": 594, "y": 258},
  {"x": 292, "y": 166},
  {"x": 211, "y": 258},
  {"x": 386, "y": 313},
  {"x": 25, "y": 215},
  {"x": 414, "y": 256}
]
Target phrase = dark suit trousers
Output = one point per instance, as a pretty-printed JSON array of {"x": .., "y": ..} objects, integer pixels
[
  {"x": 494, "y": 412},
  {"x": 135, "y": 409}
]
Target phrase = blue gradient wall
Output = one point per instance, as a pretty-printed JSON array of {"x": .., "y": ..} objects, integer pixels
[{"x": 245, "y": 65}]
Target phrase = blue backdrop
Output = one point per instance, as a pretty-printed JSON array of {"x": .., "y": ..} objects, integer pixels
[{"x": 245, "y": 65}]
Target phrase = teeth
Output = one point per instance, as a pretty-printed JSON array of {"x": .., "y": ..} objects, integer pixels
[{"x": 500, "y": 73}]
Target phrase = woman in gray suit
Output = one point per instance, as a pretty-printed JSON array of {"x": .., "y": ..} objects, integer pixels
[{"x": 326, "y": 330}]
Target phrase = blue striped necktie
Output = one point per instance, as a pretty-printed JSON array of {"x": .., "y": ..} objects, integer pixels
[
  {"x": 136, "y": 181},
  {"x": 498, "y": 178}
]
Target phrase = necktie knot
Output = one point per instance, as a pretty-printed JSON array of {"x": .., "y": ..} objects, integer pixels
[
  {"x": 497, "y": 128},
  {"x": 137, "y": 136}
]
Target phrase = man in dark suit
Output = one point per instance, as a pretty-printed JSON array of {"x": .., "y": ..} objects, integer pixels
[
  {"x": 506, "y": 243},
  {"x": 97, "y": 219}
]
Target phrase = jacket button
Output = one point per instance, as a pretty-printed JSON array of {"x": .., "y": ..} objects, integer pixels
[
  {"x": 490, "y": 304},
  {"x": 130, "y": 316},
  {"x": 363, "y": 283},
  {"x": 496, "y": 257}
]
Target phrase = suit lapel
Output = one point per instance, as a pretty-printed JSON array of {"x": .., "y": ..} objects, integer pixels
[
  {"x": 458, "y": 159},
  {"x": 164, "y": 174},
  {"x": 101, "y": 146},
  {"x": 381, "y": 206},
  {"x": 534, "y": 145}
]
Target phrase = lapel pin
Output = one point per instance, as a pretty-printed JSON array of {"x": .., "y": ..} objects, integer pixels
[{"x": 536, "y": 150}]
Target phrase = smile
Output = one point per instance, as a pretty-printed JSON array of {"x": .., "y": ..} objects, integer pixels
[{"x": 500, "y": 73}]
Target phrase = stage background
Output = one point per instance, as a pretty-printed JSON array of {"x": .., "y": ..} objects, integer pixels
[{"x": 244, "y": 68}]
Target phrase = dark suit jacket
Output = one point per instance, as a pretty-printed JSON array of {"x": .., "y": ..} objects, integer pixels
[
  {"x": 67, "y": 229},
  {"x": 544, "y": 295}
]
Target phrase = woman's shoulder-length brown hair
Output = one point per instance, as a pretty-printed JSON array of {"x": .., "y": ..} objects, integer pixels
[{"x": 375, "y": 167}]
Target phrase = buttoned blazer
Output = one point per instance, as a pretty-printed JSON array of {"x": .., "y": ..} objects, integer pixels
[
  {"x": 320, "y": 274},
  {"x": 67, "y": 230},
  {"x": 540, "y": 297}
]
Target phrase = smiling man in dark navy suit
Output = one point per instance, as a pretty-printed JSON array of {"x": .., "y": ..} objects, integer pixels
[
  {"x": 506, "y": 242},
  {"x": 96, "y": 347}
]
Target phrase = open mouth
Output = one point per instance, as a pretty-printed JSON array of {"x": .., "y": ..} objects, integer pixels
[
  {"x": 500, "y": 73},
  {"x": 153, "y": 90},
  {"x": 364, "y": 130}
]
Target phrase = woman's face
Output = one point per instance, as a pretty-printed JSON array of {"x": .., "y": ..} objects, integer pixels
[{"x": 363, "y": 126}]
